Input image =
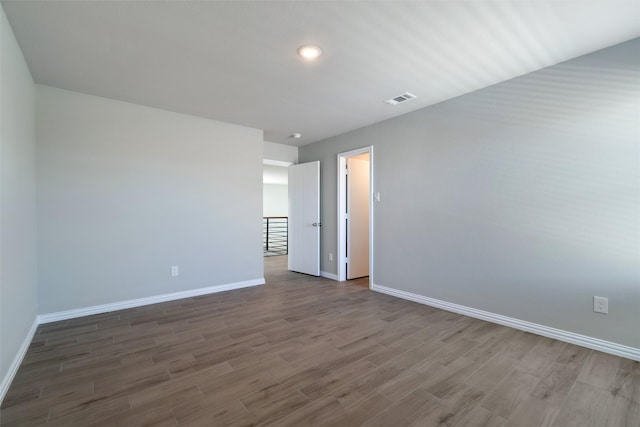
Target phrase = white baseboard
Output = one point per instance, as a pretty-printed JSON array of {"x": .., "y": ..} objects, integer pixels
[
  {"x": 559, "y": 334},
  {"x": 13, "y": 369},
  {"x": 120, "y": 305},
  {"x": 329, "y": 275},
  {"x": 105, "y": 308}
]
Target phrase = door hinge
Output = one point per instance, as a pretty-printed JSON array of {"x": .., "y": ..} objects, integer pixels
[{"x": 346, "y": 171}]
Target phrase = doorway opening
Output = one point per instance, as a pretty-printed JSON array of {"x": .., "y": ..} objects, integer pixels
[
  {"x": 274, "y": 208},
  {"x": 355, "y": 214}
]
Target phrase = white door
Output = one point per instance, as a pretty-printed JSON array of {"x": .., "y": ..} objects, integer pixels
[
  {"x": 357, "y": 218},
  {"x": 304, "y": 218}
]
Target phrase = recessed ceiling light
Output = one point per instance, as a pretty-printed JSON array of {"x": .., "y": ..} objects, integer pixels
[
  {"x": 309, "y": 51},
  {"x": 295, "y": 136}
]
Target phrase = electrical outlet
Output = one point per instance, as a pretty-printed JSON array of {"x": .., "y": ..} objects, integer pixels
[
  {"x": 601, "y": 305},
  {"x": 330, "y": 256},
  {"x": 175, "y": 271}
]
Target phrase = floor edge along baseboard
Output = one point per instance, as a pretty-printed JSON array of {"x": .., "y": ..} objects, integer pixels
[
  {"x": 328, "y": 275},
  {"x": 17, "y": 360},
  {"x": 559, "y": 334},
  {"x": 562, "y": 335},
  {"x": 138, "y": 302},
  {"x": 105, "y": 308}
]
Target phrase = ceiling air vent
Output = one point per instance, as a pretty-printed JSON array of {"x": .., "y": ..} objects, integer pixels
[{"x": 401, "y": 98}]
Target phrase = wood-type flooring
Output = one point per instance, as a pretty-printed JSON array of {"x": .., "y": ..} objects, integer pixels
[{"x": 307, "y": 351}]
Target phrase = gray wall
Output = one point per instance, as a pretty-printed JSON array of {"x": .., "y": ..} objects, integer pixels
[
  {"x": 521, "y": 199},
  {"x": 126, "y": 191},
  {"x": 275, "y": 200},
  {"x": 18, "y": 279},
  {"x": 280, "y": 152}
]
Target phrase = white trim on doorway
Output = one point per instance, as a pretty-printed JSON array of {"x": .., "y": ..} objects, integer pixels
[{"x": 342, "y": 237}]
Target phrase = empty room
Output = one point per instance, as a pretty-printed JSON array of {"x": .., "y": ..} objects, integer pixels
[{"x": 320, "y": 213}]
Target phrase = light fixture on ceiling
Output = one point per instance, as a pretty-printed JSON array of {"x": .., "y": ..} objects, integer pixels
[
  {"x": 309, "y": 51},
  {"x": 295, "y": 135}
]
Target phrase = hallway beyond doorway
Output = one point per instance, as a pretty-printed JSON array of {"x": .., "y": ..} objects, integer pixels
[{"x": 275, "y": 270}]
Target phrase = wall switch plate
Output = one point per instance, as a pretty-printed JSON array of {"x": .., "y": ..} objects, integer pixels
[
  {"x": 175, "y": 271},
  {"x": 330, "y": 256},
  {"x": 601, "y": 305},
  {"x": 376, "y": 197}
]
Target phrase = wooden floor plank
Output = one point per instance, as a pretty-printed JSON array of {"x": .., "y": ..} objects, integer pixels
[
  {"x": 590, "y": 406},
  {"x": 413, "y": 407},
  {"x": 508, "y": 394},
  {"x": 307, "y": 351}
]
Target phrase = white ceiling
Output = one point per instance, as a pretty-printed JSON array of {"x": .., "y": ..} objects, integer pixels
[{"x": 236, "y": 61}]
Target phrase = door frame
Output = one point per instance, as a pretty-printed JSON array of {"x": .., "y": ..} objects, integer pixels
[{"x": 342, "y": 204}]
